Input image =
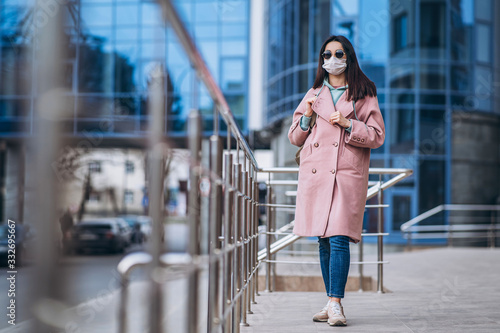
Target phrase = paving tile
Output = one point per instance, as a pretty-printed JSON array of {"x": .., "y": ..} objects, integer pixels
[{"x": 437, "y": 290}]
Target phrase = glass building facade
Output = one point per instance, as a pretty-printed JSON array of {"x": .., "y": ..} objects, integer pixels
[
  {"x": 428, "y": 58},
  {"x": 111, "y": 47}
]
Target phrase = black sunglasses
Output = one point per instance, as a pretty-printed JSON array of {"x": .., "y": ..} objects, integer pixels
[{"x": 328, "y": 54}]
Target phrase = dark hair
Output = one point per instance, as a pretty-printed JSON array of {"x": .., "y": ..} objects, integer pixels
[{"x": 359, "y": 84}]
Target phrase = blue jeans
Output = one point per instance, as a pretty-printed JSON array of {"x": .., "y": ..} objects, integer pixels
[{"x": 335, "y": 259}]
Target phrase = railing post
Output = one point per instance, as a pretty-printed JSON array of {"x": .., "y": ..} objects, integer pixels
[
  {"x": 360, "y": 266},
  {"x": 214, "y": 232},
  {"x": 380, "y": 239},
  {"x": 236, "y": 254},
  {"x": 243, "y": 237},
  {"x": 491, "y": 233},
  {"x": 194, "y": 137},
  {"x": 228, "y": 241},
  {"x": 268, "y": 236},
  {"x": 255, "y": 239},
  {"x": 156, "y": 180},
  {"x": 249, "y": 247}
]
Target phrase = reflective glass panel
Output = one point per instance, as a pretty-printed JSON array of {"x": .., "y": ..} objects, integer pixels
[
  {"x": 483, "y": 88},
  {"x": 402, "y": 134},
  {"x": 431, "y": 184},
  {"x": 401, "y": 211},
  {"x": 432, "y": 132},
  {"x": 460, "y": 78},
  {"x": 432, "y": 77},
  {"x": 96, "y": 15},
  {"x": 433, "y": 30},
  {"x": 127, "y": 14},
  {"x": 233, "y": 73},
  {"x": 402, "y": 76},
  {"x": 462, "y": 27},
  {"x": 483, "y": 9},
  {"x": 483, "y": 40}
]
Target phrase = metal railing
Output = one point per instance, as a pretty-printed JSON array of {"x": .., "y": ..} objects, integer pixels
[
  {"x": 485, "y": 228},
  {"x": 376, "y": 188},
  {"x": 228, "y": 183}
]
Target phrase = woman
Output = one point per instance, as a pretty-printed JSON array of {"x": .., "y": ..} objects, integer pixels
[{"x": 334, "y": 162}]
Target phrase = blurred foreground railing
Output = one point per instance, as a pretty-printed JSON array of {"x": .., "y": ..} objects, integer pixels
[
  {"x": 228, "y": 182},
  {"x": 469, "y": 228}
]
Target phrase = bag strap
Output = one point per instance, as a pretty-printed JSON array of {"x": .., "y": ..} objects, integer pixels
[
  {"x": 315, "y": 115},
  {"x": 354, "y": 106}
]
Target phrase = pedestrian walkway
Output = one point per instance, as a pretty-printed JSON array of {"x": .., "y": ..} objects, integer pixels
[{"x": 436, "y": 290}]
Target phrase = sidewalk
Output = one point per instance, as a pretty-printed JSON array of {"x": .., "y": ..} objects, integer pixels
[{"x": 438, "y": 290}]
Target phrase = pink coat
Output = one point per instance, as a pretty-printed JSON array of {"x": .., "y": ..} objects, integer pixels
[{"x": 333, "y": 172}]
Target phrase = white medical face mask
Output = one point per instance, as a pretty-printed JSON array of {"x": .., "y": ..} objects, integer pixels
[{"x": 335, "y": 65}]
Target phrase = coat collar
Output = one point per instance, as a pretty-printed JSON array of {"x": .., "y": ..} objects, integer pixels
[{"x": 324, "y": 106}]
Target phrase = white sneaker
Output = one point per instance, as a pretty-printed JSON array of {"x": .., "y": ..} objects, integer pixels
[
  {"x": 322, "y": 316},
  {"x": 336, "y": 315}
]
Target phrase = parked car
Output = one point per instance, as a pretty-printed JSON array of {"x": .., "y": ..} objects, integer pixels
[
  {"x": 111, "y": 234},
  {"x": 21, "y": 236},
  {"x": 145, "y": 227}
]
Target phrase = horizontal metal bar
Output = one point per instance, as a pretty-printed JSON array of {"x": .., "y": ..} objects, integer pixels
[
  {"x": 374, "y": 234},
  {"x": 389, "y": 171},
  {"x": 317, "y": 262},
  {"x": 279, "y": 170},
  {"x": 371, "y": 171},
  {"x": 448, "y": 235},
  {"x": 377, "y": 206},
  {"x": 453, "y": 227},
  {"x": 368, "y": 262},
  {"x": 447, "y": 207},
  {"x": 282, "y": 182},
  {"x": 276, "y": 205}
]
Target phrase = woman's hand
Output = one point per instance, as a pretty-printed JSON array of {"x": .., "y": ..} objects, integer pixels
[
  {"x": 309, "y": 103},
  {"x": 338, "y": 118}
]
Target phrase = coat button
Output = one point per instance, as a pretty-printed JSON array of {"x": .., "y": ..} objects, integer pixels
[
  {"x": 313, "y": 170},
  {"x": 316, "y": 144},
  {"x": 335, "y": 144},
  {"x": 333, "y": 171},
  {"x": 357, "y": 139},
  {"x": 362, "y": 140}
]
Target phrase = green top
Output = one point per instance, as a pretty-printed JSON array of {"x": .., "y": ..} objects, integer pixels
[{"x": 336, "y": 93}]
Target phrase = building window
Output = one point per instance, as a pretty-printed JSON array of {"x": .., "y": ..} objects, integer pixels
[
  {"x": 483, "y": 41},
  {"x": 400, "y": 33},
  {"x": 129, "y": 167},
  {"x": 94, "y": 197},
  {"x": 401, "y": 211},
  {"x": 128, "y": 196},
  {"x": 432, "y": 25},
  {"x": 95, "y": 167}
]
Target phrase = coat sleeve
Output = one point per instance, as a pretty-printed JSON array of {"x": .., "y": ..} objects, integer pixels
[
  {"x": 296, "y": 134},
  {"x": 369, "y": 131}
]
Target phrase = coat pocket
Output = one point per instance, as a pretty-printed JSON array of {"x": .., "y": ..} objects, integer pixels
[
  {"x": 354, "y": 156},
  {"x": 305, "y": 152}
]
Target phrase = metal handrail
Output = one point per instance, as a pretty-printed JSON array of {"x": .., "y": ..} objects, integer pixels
[
  {"x": 446, "y": 207},
  {"x": 451, "y": 231},
  {"x": 375, "y": 188},
  {"x": 232, "y": 236},
  {"x": 204, "y": 75}
]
